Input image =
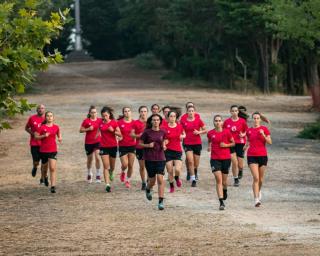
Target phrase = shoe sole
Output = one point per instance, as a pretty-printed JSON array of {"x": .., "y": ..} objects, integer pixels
[{"x": 258, "y": 204}]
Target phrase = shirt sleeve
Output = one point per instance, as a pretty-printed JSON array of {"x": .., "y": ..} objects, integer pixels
[
  {"x": 83, "y": 124},
  {"x": 201, "y": 123},
  {"x": 244, "y": 126},
  {"x": 266, "y": 131},
  {"x": 143, "y": 136}
]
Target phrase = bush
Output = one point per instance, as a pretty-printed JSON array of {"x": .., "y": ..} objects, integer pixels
[
  {"x": 311, "y": 131},
  {"x": 147, "y": 61}
]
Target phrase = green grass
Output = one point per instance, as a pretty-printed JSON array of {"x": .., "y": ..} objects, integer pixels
[{"x": 311, "y": 131}]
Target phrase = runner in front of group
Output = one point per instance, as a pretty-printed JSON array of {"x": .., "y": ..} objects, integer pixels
[
  {"x": 47, "y": 133},
  {"x": 138, "y": 128},
  {"x": 90, "y": 126},
  {"x": 153, "y": 142},
  {"x": 109, "y": 130},
  {"x": 33, "y": 124},
  {"x": 194, "y": 128},
  {"x": 238, "y": 128},
  {"x": 219, "y": 142},
  {"x": 174, "y": 135},
  {"x": 257, "y": 156},
  {"x": 126, "y": 145}
]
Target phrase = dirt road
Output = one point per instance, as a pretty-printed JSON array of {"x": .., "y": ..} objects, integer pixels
[{"x": 82, "y": 219}]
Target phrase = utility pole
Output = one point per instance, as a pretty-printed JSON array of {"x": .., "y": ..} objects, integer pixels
[{"x": 78, "y": 43}]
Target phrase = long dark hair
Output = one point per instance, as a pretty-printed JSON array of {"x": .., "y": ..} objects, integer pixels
[
  {"x": 45, "y": 115},
  {"x": 177, "y": 110},
  {"x": 109, "y": 110},
  {"x": 263, "y": 117},
  {"x": 149, "y": 121},
  {"x": 91, "y": 107},
  {"x": 243, "y": 112},
  {"x": 122, "y": 116}
]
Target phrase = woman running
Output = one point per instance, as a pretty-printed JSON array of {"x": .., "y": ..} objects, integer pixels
[
  {"x": 165, "y": 111},
  {"x": 109, "y": 130},
  {"x": 238, "y": 128},
  {"x": 33, "y": 124},
  {"x": 155, "y": 109},
  {"x": 153, "y": 142},
  {"x": 138, "y": 128},
  {"x": 126, "y": 145},
  {"x": 192, "y": 143},
  {"x": 47, "y": 133},
  {"x": 219, "y": 142},
  {"x": 174, "y": 135},
  {"x": 90, "y": 126},
  {"x": 257, "y": 156}
]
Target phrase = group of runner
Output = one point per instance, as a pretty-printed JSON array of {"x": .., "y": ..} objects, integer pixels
[{"x": 157, "y": 141}]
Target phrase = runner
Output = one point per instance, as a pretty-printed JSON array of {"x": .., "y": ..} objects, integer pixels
[
  {"x": 165, "y": 111},
  {"x": 242, "y": 114},
  {"x": 238, "y": 128},
  {"x": 219, "y": 142},
  {"x": 47, "y": 133},
  {"x": 33, "y": 124},
  {"x": 126, "y": 145},
  {"x": 155, "y": 109},
  {"x": 153, "y": 142},
  {"x": 257, "y": 156},
  {"x": 109, "y": 130},
  {"x": 90, "y": 126},
  {"x": 194, "y": 128},
  {"x": 139, "y": 126},
  {"x": 173, "y": 153}
]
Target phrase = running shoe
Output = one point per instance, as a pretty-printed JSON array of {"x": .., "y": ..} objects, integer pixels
[
  {"x": 111, "y": 175},
  {"x": 236, "y": 182},
  {"x": 188, "y": 176},
  {"x": 34, "y": 172},
  {"x": 41, "y": 181},
  {"x": 161, "y": 206},
  {"x": 240, "y": 175},
  {"x": 193, "y": 184},
  {"x": 122, "y": 176},
  {"x": 89, "y": 178},
  {"x": 127, "y": 184},
  {"x": 143, "y": 186},
  {"x": 260, "y": 196},
  {"x": 149, "y": 195},
  {"x": 257, "y": 202},
  {"x": 108, "y": 188},
  {"x": 53, "y": 190},
  {"x": 46, "y": 182},
  {"x": 222, "y": 206},
  {"x": 225, "y": 194},
  {"x": 179, "y": 183},
  {"x": 197, "y": 178},
  {"x": 171, "y": 190},
  {"x": 98, "y": 179}
]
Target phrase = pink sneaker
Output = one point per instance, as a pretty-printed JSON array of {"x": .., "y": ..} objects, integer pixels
[
  {"x": 179, "y": 183},
  {"x": 127, "y": 184},
  {"x": 171, "y": 189},
  {"x": 122, "y": 176}
]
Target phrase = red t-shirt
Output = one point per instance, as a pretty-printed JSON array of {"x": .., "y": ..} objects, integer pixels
[
  {"x": 164, "y": 124},
  {"x": 217, "y": 152},
  {"x": 138, "y": 127},
  {"x": 108, "y": 138},
  {"x": 173, "y": 136},
  {"x": 34, "y": 122},
  {"x": 189, "y": 127},
  {"x": 257, "y": 143},
  {"x": 126, "y": 128},
  {"x": 184, "y": 117},
  {"x": 91, "y": 136},
  {"x": 235, "y": 128},
  {"x": 48, "y": 144}
]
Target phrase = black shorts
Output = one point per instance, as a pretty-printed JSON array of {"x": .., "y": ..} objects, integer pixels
[
  {"x": 260, "y": 160},
  {"x": 238, "y": 149},
  {"x": 89, "y": 148},
  {"x": 126, "y": 150},
  {"x": 172, "y": 155},
  {"x": 35, "y": 152},
  {"x": 220, "y": 165},
  {"x": 155, "y": 167},
  {"x": 139, "y": 153},
  {"x": 46, "y": 156},
  {"x": 112, "y": 152},
  {"x": 196, "y": 149}
]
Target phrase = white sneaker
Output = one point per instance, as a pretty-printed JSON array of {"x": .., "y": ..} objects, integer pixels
[
  {"x": 89, "y": 177},
  {"x": 98, "y": 179},
  {"x": 257, "y": 202}
]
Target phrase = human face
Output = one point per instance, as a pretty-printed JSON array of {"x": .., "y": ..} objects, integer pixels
[
  {"x": 93, "y": 113},
  {"x": 143, "y": 113},
  {"x": 165, "y": 112},
  {"x": 127, "y": 112},
  {"x": 217, "y": 122},
  {"x": 41, "y": 110},
  {"x": 49, "y": 117},
  {"x": 234, "y": 112},
  {"x": 256, "y": 119},
  {"x": 172, "y": 117},
  {"x": 155, "y": 121},
  {"x": 191, "y": 112},
  {"x": 106, "y": 116},
  {"x": 155, "y": 109}
]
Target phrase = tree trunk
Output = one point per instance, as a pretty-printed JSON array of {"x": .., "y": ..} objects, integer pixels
[
  {"x": 275, "y": 47},
  {"x": 313, "y": 80},
  {"x": 264, "y": 57}
]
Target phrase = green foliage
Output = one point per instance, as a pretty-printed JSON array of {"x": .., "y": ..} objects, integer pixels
[
  {"x": 23, "y": 35},
  {"x": 147, "y": 61},
  {"x": 311, "y": 131}
]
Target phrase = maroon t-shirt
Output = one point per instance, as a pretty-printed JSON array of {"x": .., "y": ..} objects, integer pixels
[{"x": 156, "y": 153}]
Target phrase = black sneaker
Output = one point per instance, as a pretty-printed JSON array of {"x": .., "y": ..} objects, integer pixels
[
  {"x": 236, "y": 182},
  {"x": 46, "y": 182},
  {"x": 143, "y": 186},
  {"x": 240, "y": 175},
  {"x": 41, "y": 181},
  {"x": 188, "y": 176},
  {"x": 53, "y": 190},
  {"x": 149, "y": 195},
  {"x": 222, "y": 206},
  {"x": 34, "y": 172},
  {"x": 193, "y": 184},
  {"x": 225, "y": 194}
]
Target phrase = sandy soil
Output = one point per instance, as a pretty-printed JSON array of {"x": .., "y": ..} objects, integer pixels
[{"x": 82, "y": 219}]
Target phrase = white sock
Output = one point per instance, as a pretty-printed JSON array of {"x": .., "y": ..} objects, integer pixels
[
  {"x": 89, "y": 171},
  {"x": 98, "y": 173},
  {"x": 193, "y": 177}
]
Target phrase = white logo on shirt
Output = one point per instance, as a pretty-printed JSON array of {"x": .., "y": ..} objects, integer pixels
[
  {"x": 122, "y": 125},
  {"x": 233, "y": 128}
]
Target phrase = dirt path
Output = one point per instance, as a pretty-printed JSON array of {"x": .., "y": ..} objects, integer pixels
[{"x": 82, "y": 219}]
